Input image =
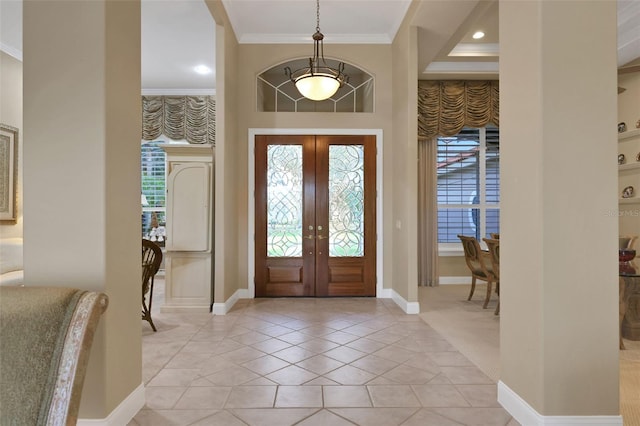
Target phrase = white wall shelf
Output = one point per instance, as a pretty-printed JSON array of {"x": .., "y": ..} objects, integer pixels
[
  {"x": 630, "y": 200},
  {"x": 628, "y": 135},
  {"x": 630, "y": 166},
  {"x": 629, "y": 175}
]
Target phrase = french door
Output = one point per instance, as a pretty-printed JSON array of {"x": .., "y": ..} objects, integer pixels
[{"x": 315, "y": 215}]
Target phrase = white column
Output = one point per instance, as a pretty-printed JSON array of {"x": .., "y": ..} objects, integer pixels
[
  {"x": 559, "y": 308},
  {"x": 82, "y": 126}
]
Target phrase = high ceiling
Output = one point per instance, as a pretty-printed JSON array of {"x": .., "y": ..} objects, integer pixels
[{"x": 178, "y": 35}]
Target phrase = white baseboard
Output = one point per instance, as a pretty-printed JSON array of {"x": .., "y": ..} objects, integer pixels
[
  {"x": 455, "y": 280},
  {"x": 387, "y": 293},
  {"x": 123, "y": 413},
  {"x": 224, "y": 307},
  {"x": 407, "y": 307},
  {"x": 527, "y": 415},
  {"x": 184, "y": 309},
  {"x": 384, "y": 293}
]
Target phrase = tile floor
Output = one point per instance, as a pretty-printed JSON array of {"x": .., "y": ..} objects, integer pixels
[{"x": 353, "y": 361}]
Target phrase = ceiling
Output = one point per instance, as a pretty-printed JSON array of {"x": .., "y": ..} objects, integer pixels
[{"x": 178, "y": 35}]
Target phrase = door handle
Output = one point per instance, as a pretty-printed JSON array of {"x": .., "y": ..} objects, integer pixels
[
  {"x": 309, "y": 237},
  {"x": 321, "y": 237}
]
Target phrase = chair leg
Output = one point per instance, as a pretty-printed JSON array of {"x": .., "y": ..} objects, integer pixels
[
  {"x": 473, "y": 287},
  {"x": 497, "y": 312},
  {"x": 486, "y": 299},
  {"x": 146, "y": 311}
]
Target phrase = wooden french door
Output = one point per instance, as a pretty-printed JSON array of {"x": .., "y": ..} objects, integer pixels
[{"x": 315, "y": 215}]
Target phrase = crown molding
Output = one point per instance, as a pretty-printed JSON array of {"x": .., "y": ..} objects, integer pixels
[
  {"x": 462, "y": 67},
  {"x": 476, "y": 49},
  {"x": 178, "y": 92},
  {"x": 256, "y": 38}
]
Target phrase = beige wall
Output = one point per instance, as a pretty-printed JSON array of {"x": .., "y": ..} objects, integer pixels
[
  {"x": 82, "y": 121},
  {"x": 375, "y": 59},
  {"x": 394, "y": 68},
  {"x": 227, "y": 215},
  {"x": 562, "y": 297},
  {"x": 453, "y": 266},
  {"x": 404, "y": 169},
  {"x": 11, "y": 115}
]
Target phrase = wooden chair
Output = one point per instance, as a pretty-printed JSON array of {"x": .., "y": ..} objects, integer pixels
[
  {"x": 479, "y": 264},
  {"x": 151, "y": 260},
  {"x": 495, "y": 235},
  {"x": 46, "y": 335},
  {"x": 627, "y": 241},
  {"x": 494, "y": 251}
]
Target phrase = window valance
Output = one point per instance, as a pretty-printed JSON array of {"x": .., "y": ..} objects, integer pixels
[
  {"x": 445, "y": 107},
  {"x": 192, "y": 118}
]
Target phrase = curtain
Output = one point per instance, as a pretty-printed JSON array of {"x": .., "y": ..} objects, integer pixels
[
  {"x": 445, "y": 107},
  {"x": 192, "y": 118},
  {"x": 427, "y": 213}
]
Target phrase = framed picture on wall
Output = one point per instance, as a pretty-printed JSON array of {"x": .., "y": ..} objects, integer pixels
[{"x": 8, "y": 172}]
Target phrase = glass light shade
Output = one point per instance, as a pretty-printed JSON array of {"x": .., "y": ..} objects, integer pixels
[{"x": 317, "y": 87}]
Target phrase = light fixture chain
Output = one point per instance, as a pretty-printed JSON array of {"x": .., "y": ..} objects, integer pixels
[{"x": 318, "y": 15}]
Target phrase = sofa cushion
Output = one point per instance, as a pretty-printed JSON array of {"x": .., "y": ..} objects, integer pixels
[{"x": 11, "y": 255}]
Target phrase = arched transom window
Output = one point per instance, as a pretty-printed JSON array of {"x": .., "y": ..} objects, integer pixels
[{"x": 276, "y": 93}]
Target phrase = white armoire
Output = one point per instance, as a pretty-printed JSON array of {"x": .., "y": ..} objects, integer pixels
[{"x": 189, "y": 243}]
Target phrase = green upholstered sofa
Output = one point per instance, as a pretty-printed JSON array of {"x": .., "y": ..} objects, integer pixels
[{"x": 45, "y": 338}]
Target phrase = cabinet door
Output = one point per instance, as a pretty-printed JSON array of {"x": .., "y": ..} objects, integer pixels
[{"x": 188, "y": 195}]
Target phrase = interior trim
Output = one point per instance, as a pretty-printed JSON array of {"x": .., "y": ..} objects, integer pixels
[
  {"x": 251, "y": 291},
  {"x": 527, "y": 415},
  {"x": 123, "y": 413},
  {"x": 224, "y": 307},
  {"x": 407, "y": 307},
  {"x": 454, "y": 280}
]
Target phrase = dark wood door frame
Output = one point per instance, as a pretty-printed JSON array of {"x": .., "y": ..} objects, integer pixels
[{"x": 331, "y": 276}]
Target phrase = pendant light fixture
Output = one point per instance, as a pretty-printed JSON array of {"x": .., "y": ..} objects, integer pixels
[{"x": 318, "y": 81}]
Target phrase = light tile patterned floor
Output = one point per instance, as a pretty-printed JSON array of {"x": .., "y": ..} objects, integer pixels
[{"x": 352, "y": 361}]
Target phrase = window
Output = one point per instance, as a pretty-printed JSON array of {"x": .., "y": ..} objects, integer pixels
[
  {"x": 275, "y": 92},
  {"x": 153, "y": 191},
  {"x": 468, "y": 184}
]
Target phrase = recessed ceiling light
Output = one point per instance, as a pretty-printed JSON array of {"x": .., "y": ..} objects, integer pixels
[
  {"x": 478, "y": 35},
  {"x": 202, "y": 69}
]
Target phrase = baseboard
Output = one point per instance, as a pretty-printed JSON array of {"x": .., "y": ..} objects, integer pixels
[
  {"x": 522, "y": 412},
  {"x": 384, "y": 293},
  {"x": 454, "y": 280},
  {"x": 407, "y": 307},
  {"x": 224, "y": 307},
  {"x": 123, "y": 413},
  {"x": 184, "y": 309}
]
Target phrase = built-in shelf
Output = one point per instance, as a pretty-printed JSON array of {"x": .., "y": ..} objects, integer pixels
[
  {"x": 628, "y": 135},
  {"x": 631, "y": 200},
  {"x": 629, "y": 166}
]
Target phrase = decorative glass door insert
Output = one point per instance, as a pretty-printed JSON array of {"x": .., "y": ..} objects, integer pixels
[
  {"x": 284, "y": 201},
  {"x": 346, "y": 200}
]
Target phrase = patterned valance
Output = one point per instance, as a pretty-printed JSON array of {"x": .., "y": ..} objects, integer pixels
[
  {"x": 192, "y": 118},
  {"x": 445, "y": 107}
]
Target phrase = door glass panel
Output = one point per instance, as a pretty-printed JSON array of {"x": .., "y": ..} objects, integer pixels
[
  {"x": 346, "y": 200},
  {"x": 284, "y": 201}
]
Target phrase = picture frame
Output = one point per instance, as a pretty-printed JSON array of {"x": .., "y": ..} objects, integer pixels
[{"x": 8, "y": 173}]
